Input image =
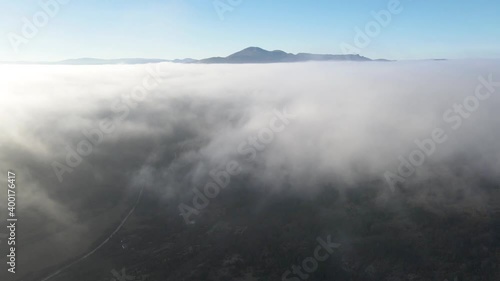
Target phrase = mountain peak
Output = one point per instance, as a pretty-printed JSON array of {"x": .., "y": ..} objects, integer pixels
[
  {"x": 248, "y": 55},
  {"x": 250, "y": 51},
  {"x": 259, "y": 55},
  {"x": 253, "y": 49}
]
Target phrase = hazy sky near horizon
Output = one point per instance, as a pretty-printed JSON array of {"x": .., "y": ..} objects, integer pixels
[{"x": 172, "y": 29}]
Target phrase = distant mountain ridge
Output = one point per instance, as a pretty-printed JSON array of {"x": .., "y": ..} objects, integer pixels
[
  {"x": 259, "y": 55},
  {"x": 94, "y": 61},
  {"x": 248, "y": 55}
]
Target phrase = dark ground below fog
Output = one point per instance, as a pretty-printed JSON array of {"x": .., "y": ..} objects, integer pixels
[{"x": 244, "y": 235}]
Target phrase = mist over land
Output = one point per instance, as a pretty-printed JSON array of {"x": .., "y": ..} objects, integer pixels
[{"x": 323, "y": 172}]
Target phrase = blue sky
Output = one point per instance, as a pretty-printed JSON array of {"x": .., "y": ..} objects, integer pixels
[{"x": 192, "y": 28}]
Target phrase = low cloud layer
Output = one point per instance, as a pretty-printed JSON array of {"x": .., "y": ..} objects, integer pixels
[{"x": 349, "y": 124}]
